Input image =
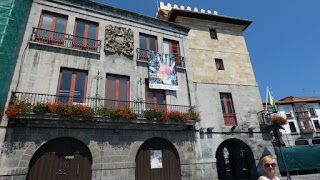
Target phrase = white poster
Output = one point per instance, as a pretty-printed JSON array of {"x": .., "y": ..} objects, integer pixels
[{"x": 156, "y": 159}]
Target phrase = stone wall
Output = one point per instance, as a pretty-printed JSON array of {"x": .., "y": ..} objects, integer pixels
[
  {"x": 113, "y": 152},
  {"x": 230, "y": 47}
]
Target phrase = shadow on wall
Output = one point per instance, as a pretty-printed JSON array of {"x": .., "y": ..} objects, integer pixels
[{"x": 260, "y": 168}]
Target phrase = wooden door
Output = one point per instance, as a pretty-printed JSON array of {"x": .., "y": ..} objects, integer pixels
[
  {"x": 170, "y": 162},
  {"x": 61, "y": 159}
]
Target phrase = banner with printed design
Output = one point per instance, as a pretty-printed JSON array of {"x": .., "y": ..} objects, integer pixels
[{"x": 162, "y": 71}]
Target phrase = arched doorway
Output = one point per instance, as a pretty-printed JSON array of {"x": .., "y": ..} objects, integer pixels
[
  {"x": 235, "y": 161},
  {"x": 157, "y": 159},
  {"x": 61, "y": 158}
]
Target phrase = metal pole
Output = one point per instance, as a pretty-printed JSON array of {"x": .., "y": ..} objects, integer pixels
[
  {"x": 284, "y": 162},
  {"x": 279, "y": 143}
]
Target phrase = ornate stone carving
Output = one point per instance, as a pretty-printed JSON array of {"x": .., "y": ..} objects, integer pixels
[{"x": 118, "y": 40}]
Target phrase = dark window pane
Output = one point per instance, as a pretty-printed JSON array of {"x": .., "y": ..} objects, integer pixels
[
  {"x": 123, "y": 87},
  {"x": 80, "y": 32},
  {"x": 152, "y": 43},
  {"x": 92, "y": 31},
  {"x": 46, "y": 21},
  {"x": 111, "y": 87},
  {"x": 59, "y": 29},
  {"x": 65, "y": 86},
  {"x": 46, "y": 25},
  {"x": 223, "y": 108},
  {"x": 143, "y": 44},
  {"x": 159, "y": 98},
  {"x": 79, "y": 87},
  {"x": 292, "y": 127},
  {"x": 229, "y": 107}
]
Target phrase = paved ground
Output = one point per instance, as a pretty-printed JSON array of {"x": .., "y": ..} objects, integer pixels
[{"x": 303, "y": 177}]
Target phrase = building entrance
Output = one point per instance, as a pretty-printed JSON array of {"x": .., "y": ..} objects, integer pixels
[
  {"x": 157, "y": 159},
  {"x": 63, "y": 159}
]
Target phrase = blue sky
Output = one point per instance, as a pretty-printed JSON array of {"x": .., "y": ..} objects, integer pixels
[{"x": 283, "y": 40}]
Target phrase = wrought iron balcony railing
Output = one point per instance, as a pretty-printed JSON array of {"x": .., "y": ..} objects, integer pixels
[
  {"x": 138, "y": 107},
  {"x": 65, "y": 40},
  {"x": 142, "y": 54},
  {"x": 265, "y": 117}
]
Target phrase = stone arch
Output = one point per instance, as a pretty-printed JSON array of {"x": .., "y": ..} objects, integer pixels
[
  {"x": 136, "y": 145},
  {"x": 157, "y": 157},
  {"x": 65, "y": 156},
  {"x": 235, "y": 160},
  {"x": 85, "y": 139}
]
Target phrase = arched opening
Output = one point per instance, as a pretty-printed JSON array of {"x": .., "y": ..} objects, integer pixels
[
  {"x": 316, "y": 140},
  {"x": 157, "y": 159},
  {"x": 61, "y": 158},
  {"x": 235, "y": 161},
  {"x": 301, "y": 142}
]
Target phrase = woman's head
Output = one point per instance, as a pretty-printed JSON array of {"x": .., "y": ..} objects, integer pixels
[{"x": 269, "y": 164}]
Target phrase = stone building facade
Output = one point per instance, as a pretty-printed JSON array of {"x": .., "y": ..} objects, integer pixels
[
  {"x": 89, "y": 55},
  {"x": 225, "y": 90}
]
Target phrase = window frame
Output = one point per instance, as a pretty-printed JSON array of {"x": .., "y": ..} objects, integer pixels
[
  {"x": 294, "y": 126},
  {"x": 117, "y": 92},
  {"x": 213, "y": 33},
  {"x": 73, "y": 83},
  {"x": 154, "y": 97},
  {"x": 316, "y": 125},
  {"x": 51, "y": 39},
  {"x": 219, "y": 64},
  {"x": 229, "y": 118},
  {"x": 84, "y": 44},
  {"x": 145, "y": 56},
  {"x": 177, "y": 56}
]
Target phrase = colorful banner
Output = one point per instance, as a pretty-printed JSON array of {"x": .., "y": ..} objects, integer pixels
[{"x": 162, "y": 71}]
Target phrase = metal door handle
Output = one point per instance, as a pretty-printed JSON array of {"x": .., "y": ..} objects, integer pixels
[{"x": 62, "y": 173}]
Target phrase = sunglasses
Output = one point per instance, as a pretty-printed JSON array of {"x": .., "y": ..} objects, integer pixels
[{"x": 268, "y": 165}]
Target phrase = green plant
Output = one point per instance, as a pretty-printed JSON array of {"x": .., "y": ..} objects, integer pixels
[
  {"x": 150, "y": 113},
  {"x": 117, "y": 113},
  {"x": 195, "y": 115}
]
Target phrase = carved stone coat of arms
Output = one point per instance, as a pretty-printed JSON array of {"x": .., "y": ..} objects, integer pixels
[{"x": 118, "y": 40}]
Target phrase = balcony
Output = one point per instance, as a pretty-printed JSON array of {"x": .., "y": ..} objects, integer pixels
[
  {"x": 302, "y": 115},
  {"x": 265, "y": 119},
  {"x": 54, "y": 110},
  {"x": 142, "y": 54},
  {"x": 65, "y": 40}
]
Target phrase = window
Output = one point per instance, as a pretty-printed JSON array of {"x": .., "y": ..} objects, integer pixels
[
  {"x": 86, "y": 35},
  {"x": 301, "y": 142},
  {"x": 227, "y": 109},
  {"x": 147, "y": 43},
  {"x": 311, "y": 110},
  {"x": 316, "y": 125},
  {"x": 213, "y": 34},
  {"x": 72, "y": 85},
  {"x": 51, "y": 28},
  {"x": 219, "y": 64},
  {"x": 117, "y": 91},
  {"x": 155, "y": 97},
  {"x": 288, "y": 112},
  {"x": 292, "y": 127},
  {"x": 172, "y": 47}
]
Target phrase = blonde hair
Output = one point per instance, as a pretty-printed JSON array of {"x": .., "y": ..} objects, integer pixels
[{"x": 267, "y": 159}]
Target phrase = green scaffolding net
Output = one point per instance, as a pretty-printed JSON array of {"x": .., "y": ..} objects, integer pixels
[
  {"x": 11, "y": 15},
  {"x": 299, "y": 157}
]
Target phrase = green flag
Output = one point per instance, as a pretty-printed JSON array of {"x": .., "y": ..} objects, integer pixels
[{"x": 271, "y": 102}]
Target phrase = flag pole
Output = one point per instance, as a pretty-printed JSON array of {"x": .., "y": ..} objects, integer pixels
[{"x": 267, "y": 98}]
